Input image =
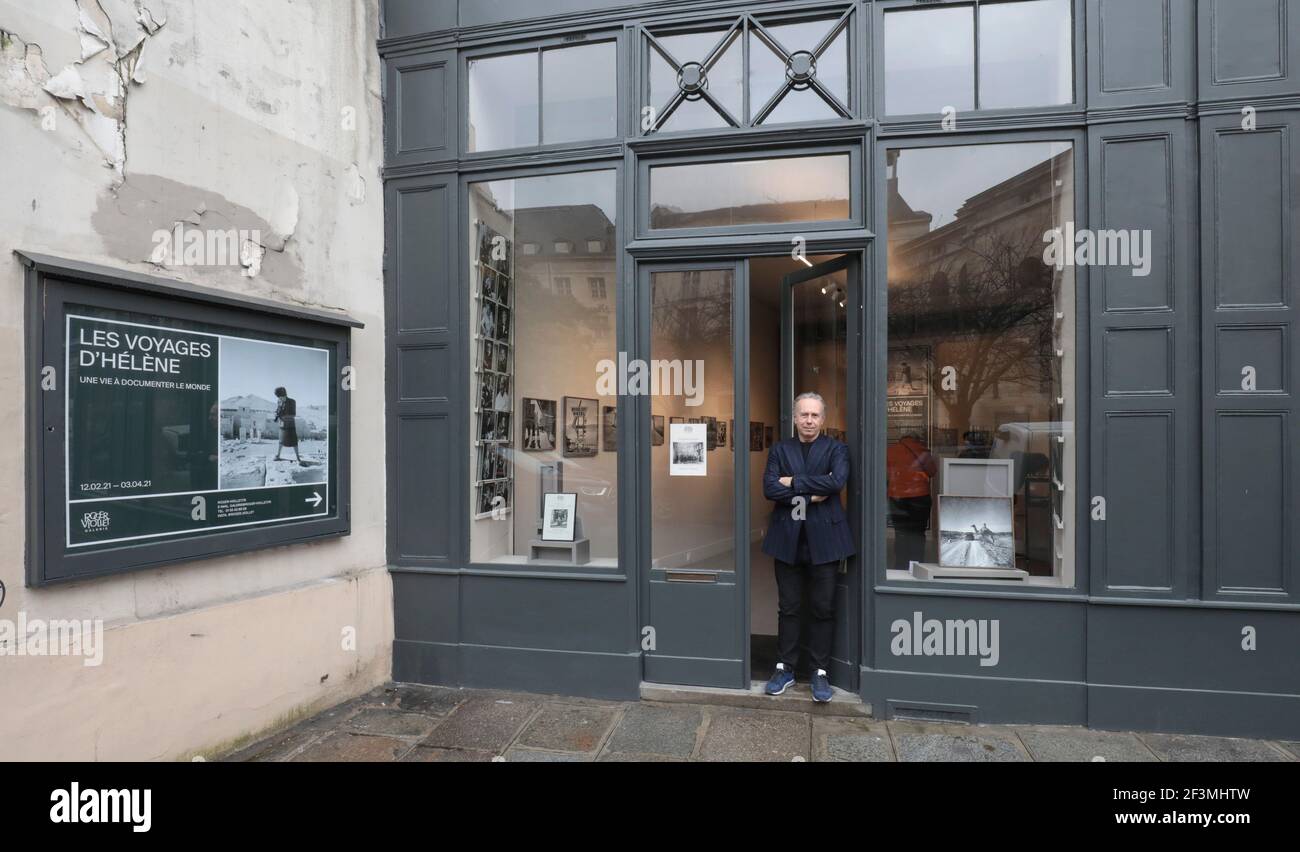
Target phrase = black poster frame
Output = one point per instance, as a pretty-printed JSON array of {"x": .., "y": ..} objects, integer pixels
[{"x": 51, "y": 286}]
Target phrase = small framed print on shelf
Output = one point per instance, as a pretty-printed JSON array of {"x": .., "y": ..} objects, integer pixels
[{"x": 559, "y": 517}]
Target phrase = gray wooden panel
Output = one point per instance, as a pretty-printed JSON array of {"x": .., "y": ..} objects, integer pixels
[
  {"x": 426, "y": 607},
  {"x": 1250, "y": 243},
  {"x": 1144, "y": 413},
  {"x": 423, "y": 360},
  {"x": 1137, "y": 452},
  {"x": 1140, "y": 52},
  {"x": 1249, "y": 48},
  {"x": 1253, "y": 533},
  {"x": 1137, "y": 183},
  {"x": 422, "y": 217},
  {"x": 1250, "y": 182},
  {"x": 546, "y": 613},
  {"x": 423, "y": 503},
  {"x": 416, "y": 17},
  {"x": 1139, "y": 361},
  {"x": 420, "y": 108},
  {"x": 1263, "y": 348}
]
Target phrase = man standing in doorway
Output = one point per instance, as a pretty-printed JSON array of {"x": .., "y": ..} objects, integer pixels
[{"x": 807, "y": 535}]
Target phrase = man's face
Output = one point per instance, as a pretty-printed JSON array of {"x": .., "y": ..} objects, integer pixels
[{"x": 809, "y": 415}]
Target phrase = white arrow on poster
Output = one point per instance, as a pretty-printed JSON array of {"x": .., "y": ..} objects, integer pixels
[{"x": 686, "y": 449}]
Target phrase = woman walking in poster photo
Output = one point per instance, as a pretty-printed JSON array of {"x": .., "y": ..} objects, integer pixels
[{"x": 286, "y": 412}]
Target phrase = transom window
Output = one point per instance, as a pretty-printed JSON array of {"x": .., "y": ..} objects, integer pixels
[
  {"x": 978, "y": 55},
  {"x": 749, "y": 72}
]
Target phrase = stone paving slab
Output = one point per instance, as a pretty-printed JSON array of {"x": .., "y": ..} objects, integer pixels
[
  {"x": 632, "y": 757},
  {"x": 345, "y": 747},
  {"x": 568, "y": 727},
  {"x": 920, "y": 742},
  {"x": 530, "y": 755},
  {"x": 653, "y": 729},
  {"x": 447, "y": 755},
  {"x": 1075, "y": 745},
  {"x": 755, "y": 735},
  {"x": 1294, "y": 748},
  {"x": 483, "y": 723},
  {"x": 856, "y": 740},
  {"x": 431, "y": 700},
  {"x": 393, "y": 723},
  {"x": 1182, "y": 747}
]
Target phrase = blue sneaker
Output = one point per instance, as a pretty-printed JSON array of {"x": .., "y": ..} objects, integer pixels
[
  {"x": 781, "y": 680},
  {"x": 821, "y": 687}
]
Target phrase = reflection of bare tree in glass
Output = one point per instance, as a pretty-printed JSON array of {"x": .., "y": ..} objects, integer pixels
[
  {"x": 692, "y": 306},
  {"x": 988, "y": 306}
]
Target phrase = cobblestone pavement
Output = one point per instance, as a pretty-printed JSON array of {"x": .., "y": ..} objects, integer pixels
[{"x": 401, "y": 722}]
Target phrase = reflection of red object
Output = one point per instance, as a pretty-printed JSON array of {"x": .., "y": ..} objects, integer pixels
[{"x": 910, "y": 466}]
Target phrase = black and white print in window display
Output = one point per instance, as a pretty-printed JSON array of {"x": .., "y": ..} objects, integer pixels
[
  {"x": 495, "y": 399},
  {"x": 580, "y": 426}
]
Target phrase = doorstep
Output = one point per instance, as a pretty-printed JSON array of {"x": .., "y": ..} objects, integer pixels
[{"x": 796, "y": 699}]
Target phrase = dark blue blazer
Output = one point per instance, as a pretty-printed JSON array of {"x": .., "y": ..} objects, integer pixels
[{"x": 829, "y": 536}]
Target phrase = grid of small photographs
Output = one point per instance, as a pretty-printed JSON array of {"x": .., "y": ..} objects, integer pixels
[
  {"x": 1057, "y": 438},
  {"x": 494, "y": 369}
]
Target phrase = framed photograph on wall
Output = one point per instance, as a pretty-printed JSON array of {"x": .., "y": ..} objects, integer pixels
[
  {"x": 722, "y": 434},
  {"x": 755, "y": 437},
  {"x": 559, "y": 517},
  {"x": 976, "y": 532},
  {"x": 580, "y": 425},
  {"x": 609, "y": 428},
  {"x": 711, "y": 432},
  {"x": 487, "y": 321},
  {"x": 539, "y": 425},
  {"x": 656, "y": 430}
]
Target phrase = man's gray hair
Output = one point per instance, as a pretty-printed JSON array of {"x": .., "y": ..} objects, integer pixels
[{"x": 810, "y": 395}]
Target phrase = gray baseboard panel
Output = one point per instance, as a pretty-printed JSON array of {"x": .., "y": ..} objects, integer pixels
[
  {"x": 978, "y": 700},
  {"x": 577, "y": 673},
  {"x": 1194, "y": 711}
]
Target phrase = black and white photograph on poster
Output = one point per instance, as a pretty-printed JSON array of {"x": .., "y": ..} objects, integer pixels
[
  {"x": 609, "y": 428},
  {"x": 559, "y": 517},
  {"x": 976, "y": 532},
  {"x": 656, "y": 430},
  {"x": 274, "y": 414},
  {"x": 487, "y": 321},
  {"x": 686, "y": 453},
  {"x": 501, "y": 462},
  {"x": 755, "y": 437},
  {"x": 503, "y": 398},
  {"x": 539, "y": 425},
  {"x": 908, "y": 371},
  {"x": 486, "y": 391},
  {"x": 580, "y": 426}
]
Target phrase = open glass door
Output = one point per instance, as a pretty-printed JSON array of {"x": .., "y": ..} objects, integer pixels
[
  {"x": 818, "y": 323},
  {"x": 697, "y": 575}
]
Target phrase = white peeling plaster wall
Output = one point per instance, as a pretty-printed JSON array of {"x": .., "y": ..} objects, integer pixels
[{"x": 120, "y": 118}]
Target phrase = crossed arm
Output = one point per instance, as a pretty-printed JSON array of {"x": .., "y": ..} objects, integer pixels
[{"x": 783, "y": 489}]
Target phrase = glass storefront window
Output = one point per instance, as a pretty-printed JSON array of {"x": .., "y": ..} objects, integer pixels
[
  {"x": 578, "y": 97},
  {"x": 1026, "y": 56},
  {"x": 750, "y": 192},
  {"x": 980, "y": 396},
  {"x": 538, "y": 422}
]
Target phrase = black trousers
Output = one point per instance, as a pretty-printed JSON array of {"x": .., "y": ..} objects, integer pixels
[{"x": 793, "y": 582}]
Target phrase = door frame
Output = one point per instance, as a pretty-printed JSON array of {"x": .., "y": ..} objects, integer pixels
[{"x": 857, "y": 260}]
